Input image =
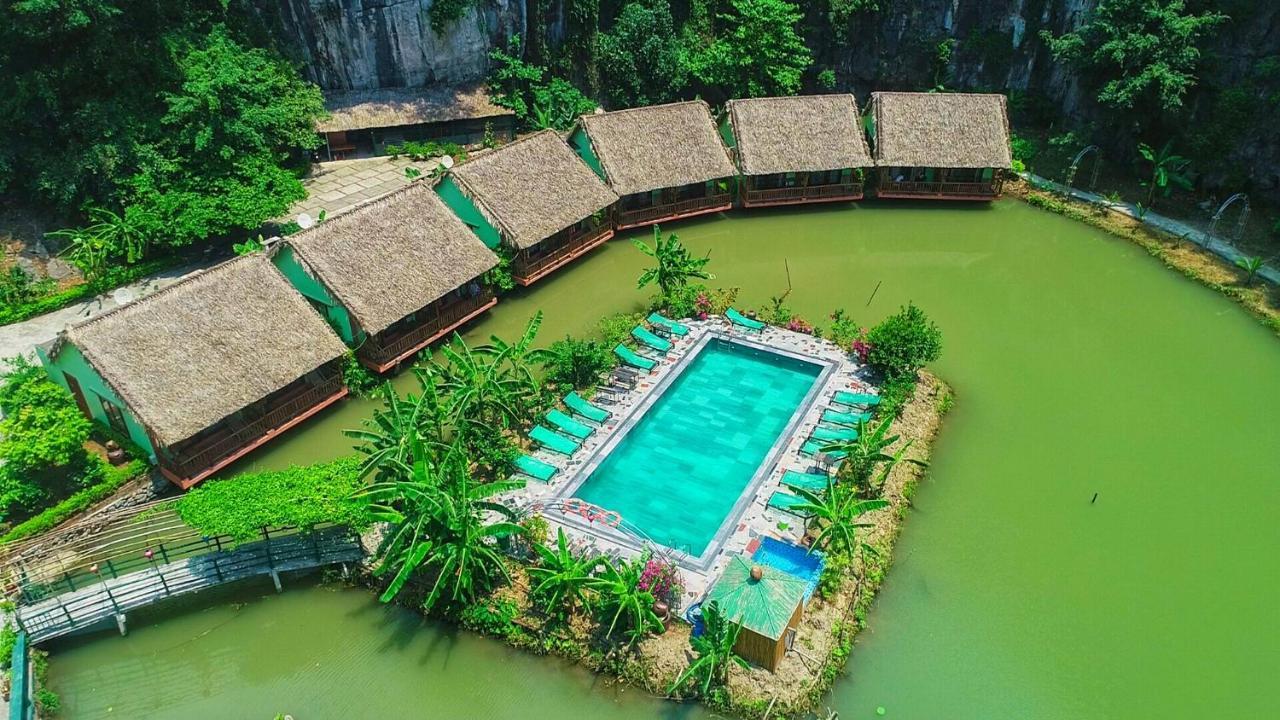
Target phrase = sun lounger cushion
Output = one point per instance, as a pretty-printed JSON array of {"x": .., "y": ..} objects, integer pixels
[
  {"x": 805, "y": 481},
  {"x": 632, "y": 358},
  {"x": 844, "y": 397},
  {"x": 535, "y": 468},
  {"x": 648, "y": 338},
  {"x": 585, "y": 408},
  {"x": 844, "y": 418},
  {"x": 738, "y": 318},
  {"x": 566, "y": 424},
  {"x": 671, "y": 325},
  {"x": 552, "y": 440}
]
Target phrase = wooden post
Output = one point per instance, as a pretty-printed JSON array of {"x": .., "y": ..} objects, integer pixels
[
  {"x": 120, "y": 624},
  {"x": 275, "y": 578}
]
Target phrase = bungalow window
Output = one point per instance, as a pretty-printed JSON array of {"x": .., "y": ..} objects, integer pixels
[{"x": 115, "y": 418}]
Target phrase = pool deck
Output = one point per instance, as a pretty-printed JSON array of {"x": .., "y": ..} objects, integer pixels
[{"x": 751, "y": 518}]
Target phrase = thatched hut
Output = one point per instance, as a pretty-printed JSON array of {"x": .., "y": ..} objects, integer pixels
[
  {"x": 537, "y": 198},
  {"x": 205, "y": 370},
  {"x": 794, "y": 150},
  {"x": 950, "y": 146},
  {"x": 767, "y": 602},
  {"x": 391, "y": 275},
  {"x": 363, "y": 122},
  {"x": 664, "y": 162}
]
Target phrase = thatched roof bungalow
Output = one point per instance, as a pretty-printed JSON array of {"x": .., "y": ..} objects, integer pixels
[
  {"x": 391, "y": 275},
  {"x": 363, "y": 122},
  {"x": 940, "y": 145},
  {"x": 536, "y": 198},
  {"x": 803, "y": 149},
  {"x": 205, "y": 370},
  {"x": 766, "y": 602},
  {"x": 665, "y": 162}
]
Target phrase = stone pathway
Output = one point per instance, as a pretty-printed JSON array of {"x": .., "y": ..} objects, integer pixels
[
  {"x": 340, "y": 185},
  {"x": 1216, "y": 245}
]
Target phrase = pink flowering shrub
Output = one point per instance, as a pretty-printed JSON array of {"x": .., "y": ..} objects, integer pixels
[
  {"x": 662, "y": 578},
  {"x": 799, "y": 324}
]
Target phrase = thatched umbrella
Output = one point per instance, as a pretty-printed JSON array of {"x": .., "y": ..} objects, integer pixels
[{"x": 765, "y": 601}]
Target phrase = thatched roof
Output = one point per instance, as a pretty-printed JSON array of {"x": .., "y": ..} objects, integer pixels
[
  {"x": 950, "y": 130},
  {"x": 394, "y": 107},
  {"x": 763, "y": 606},
  {"x": 533, "y": 188},
  {"x": 647, "y": 148},
  {"x": 392, "y": 255},
  {"x": 199, "y": 350},
  {"x": 808, "y": 133}
]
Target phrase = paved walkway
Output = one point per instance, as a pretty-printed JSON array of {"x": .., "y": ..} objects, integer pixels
[
  {"x": 1216, "y": 245},
  {"x": 340, "y": 185}
]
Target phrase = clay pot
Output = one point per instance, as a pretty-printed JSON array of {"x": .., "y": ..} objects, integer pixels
[{"x": 115, "y": 453}]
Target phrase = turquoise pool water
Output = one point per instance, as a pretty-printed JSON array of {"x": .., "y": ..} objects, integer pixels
[{"x": 678, "y": 473}]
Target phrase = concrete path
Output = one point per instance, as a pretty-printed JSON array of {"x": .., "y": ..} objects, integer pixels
[
  {"x": 340, "y": 185},
  {"x": 1216, "y": 245}
]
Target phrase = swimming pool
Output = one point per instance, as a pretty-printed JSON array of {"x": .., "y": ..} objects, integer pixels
[{"x": 677, "y": 474}]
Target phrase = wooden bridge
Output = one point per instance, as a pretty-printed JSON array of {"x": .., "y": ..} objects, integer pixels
[{"x": 143, "y": 556}]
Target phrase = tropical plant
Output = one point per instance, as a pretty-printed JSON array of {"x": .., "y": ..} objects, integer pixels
[
  {"x": 674, "y": 265},
  {"x": 17, "y": 286},
  {"x": 1167, "y": 169},
  {"x": 250, "y": 246},
  {"x": 623, "y": 604},
  {"x": 578, "y": 364},
  {"x": 714, "y": 653},
  {"x": 837, "y": 512},
  {"x": 757, "y": 51},
  {"x": 405, "y": 429},
  {"x": 867, "y": 452},
  {"x": 904, "y": 342},
  {"x": 1251, "y": 266},
  {"x": 492, "y": 384},
  {"x": 537, "y": 100},
  {"x": 562, "y": 576},
  {"x": 641, "y": 57}
]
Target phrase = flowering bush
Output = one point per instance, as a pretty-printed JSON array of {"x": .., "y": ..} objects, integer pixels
[
  {"x": 799, "y": 324},
  {"x": 662, "y": 579},
  {"x": 861, "y": 346}
]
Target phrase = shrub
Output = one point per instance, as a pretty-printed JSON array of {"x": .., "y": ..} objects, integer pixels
[
  {"x": 661, "y": 578},
  {"x": 904, "y": 342},
  {"x": 113, "y": 478},
  {"x": 834, "y": 573},
  {"x": 577, "y": 363},
  {"x": 301, "y": 496},
  {"x": 491, "y": 617},
  {"x": 894, "y": 395},
  {"x": 616, "y": 328},
  {"x": 695, "y": 300},
  {"x": 359, "y": 379}
]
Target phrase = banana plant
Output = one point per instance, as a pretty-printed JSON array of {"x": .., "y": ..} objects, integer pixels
[
  {"x": 714, "y": 652},
  {"x": 838, "y": 511},
  {"x": 623, "y": 602},
  {"x": 675, "y": 265},
  {"x": 1167, "y": 170},
  {"x": 563, "y": 577}
]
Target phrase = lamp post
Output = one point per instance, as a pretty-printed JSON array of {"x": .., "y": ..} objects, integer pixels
[
  {"x": 105, "y": 585},
  {"x": 150, "y": 555}
]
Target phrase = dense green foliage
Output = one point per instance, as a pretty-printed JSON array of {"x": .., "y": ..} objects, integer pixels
[
  {"x": 713, "y": 653},
  {"x": 113, "y": 478},
  {"x": 641, "y": 58},
  {"x": 757, "y": 52},
  {"x": 674, "y": 266},
  {"x": 904, "y": 342},
  {"x": 577, "y": 363},
  {"x": 538, "y": 99},
  {"x": 837, "y": 513}
]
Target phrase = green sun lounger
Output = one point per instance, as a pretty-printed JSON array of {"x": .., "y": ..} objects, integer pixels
[
  {"x": 672, "y": 326},
  {"x": 844, "y": 418},
  {"x": 832, "y": 434},
  {"x": 648, "y": 338},
  {"x": 535, "y": 468},
  {"x": 813, "y": 447},
  {"x": 634, "y": 359},
  {"x": 804, "y": 481},
  {"x": 844, "y": 397},
  {"x": 568, "y": 425},
  {"x": 738, "y": 318},
  {"x": 786, "y": 502},
  {"x": 554, "y": 441},
  {"x": 585, "y": 408}
]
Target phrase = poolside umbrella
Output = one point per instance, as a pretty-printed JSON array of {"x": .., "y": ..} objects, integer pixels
[{"x": 766, "y": 602}]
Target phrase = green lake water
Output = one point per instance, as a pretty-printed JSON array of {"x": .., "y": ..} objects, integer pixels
[{"x": 1082, "y": 367}]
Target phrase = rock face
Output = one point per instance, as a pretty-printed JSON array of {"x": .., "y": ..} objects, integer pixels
[{"x": 368, "y": 44}]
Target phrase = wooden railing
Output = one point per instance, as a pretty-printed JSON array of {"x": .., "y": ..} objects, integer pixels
[
  {"x": 389, "y": 345},
  {"x": 188, "y": 462},
  {"x": 683, "y": 207},
  {"x": 526, "y": 269},
  {"x": 802, "y": 193},
  {"x": 988, "y": 188}
]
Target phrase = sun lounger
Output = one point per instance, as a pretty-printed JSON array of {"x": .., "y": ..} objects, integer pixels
[
  {"x": 672, "y": 326},
  {"x": 833, "y": 434},
  {"x": 568, "y": 425},
  {"x": 844, "y": 418},
  {"x": 648, "y": 338},
  {"x": 552, "y": 440},
  {"x": 630, "y": 357},
  {"x": 805, "y": 481},
  {"x": 786, "y": 502},
  {"x": 535, "y": 468},
  {"x": 585, "y": 408},
  {"x": 813, "y": 447},
  {"x": 743, "y": 321},
  {"x": 844, "y": 397}
]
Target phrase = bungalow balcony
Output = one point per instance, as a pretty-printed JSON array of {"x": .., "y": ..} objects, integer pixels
[
  {"x": 643, "y": 209},
  {"x": 534, "y": 263},
  {"x": 797, "y": 189},
  {"x": 385, "y": 350},
  {"x": 944, "y": 185},
  {"x": 216, "y": 447}
]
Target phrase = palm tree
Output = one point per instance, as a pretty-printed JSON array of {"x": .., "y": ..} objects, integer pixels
[
  {"x": 714, "y": 651},
  {"x": 1251, "y": 266},
  {"x": 563, "y": 577},
  {"x": 838, "y": 512},
  {"x": 1166, "y": 169},
  {"x": 865, "y": 452},
  {"x": 675, "y": 265},
  {"x": 624, "y": 602}
]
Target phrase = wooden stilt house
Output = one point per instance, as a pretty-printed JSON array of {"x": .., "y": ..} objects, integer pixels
[
  {"x": 206, "y": 370},
  {"x": 793, "y": 150},
  {"x": 945, "y": 146},
  {"x": 534, "y": 197},
  {"x": 665, "y": 162},
  {"x": 392, "y": 275}
]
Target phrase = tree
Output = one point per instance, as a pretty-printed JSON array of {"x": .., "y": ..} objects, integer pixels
[
  {"x": 757, "y": 51},
  {"x": 623, "y": 603},
  {"x": 577, "y": 364},
  {"x": 1144, "y": 52},
  {"x": 1167, "y": 170},
  {"x": 562, "y": 577},
  {"x": 838, "y": 512},
  {"x": 493, "y": 384},
  {"x": 641, "y": 58},
  {"x": 675, "y": 266},
  {"x": 405, "y": 428},
  {"x": 537, "y": 100},
  {"x": 714, "y": 652},
  {"x": 904, "y": 342}
]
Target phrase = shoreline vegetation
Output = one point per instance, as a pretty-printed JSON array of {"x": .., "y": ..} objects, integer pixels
[{"x": 1260, "y": 298}]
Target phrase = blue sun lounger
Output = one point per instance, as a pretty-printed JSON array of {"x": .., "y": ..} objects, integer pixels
[
  {"x": 535, "y": 468},
  {"x": 786, "y": 502},
  {"x": 634, "y": 359},
  {"x": 672, "y": 326},
  {"x": 585, "y": 408},
  {"x": 805, "y": 481},
  {"x": 844, "y": 397},
  {"x": 567, "y": 425},
  {"x": 833, "y": 434},
  {"x": 743, "y": 321},
  {"x": 552, "y": 440},
  {"x": 843, "y": 418},
  {"x": 813, "y": 447},
  {"x": 648, "y": 338}
]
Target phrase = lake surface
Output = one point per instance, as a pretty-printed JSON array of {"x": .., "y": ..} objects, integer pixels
[{"x": 1081, "y": 365}]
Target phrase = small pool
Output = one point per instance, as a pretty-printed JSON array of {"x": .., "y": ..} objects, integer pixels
[
  {"x": 680, "y": 470},
  {"x": 791, "y": 559}
]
